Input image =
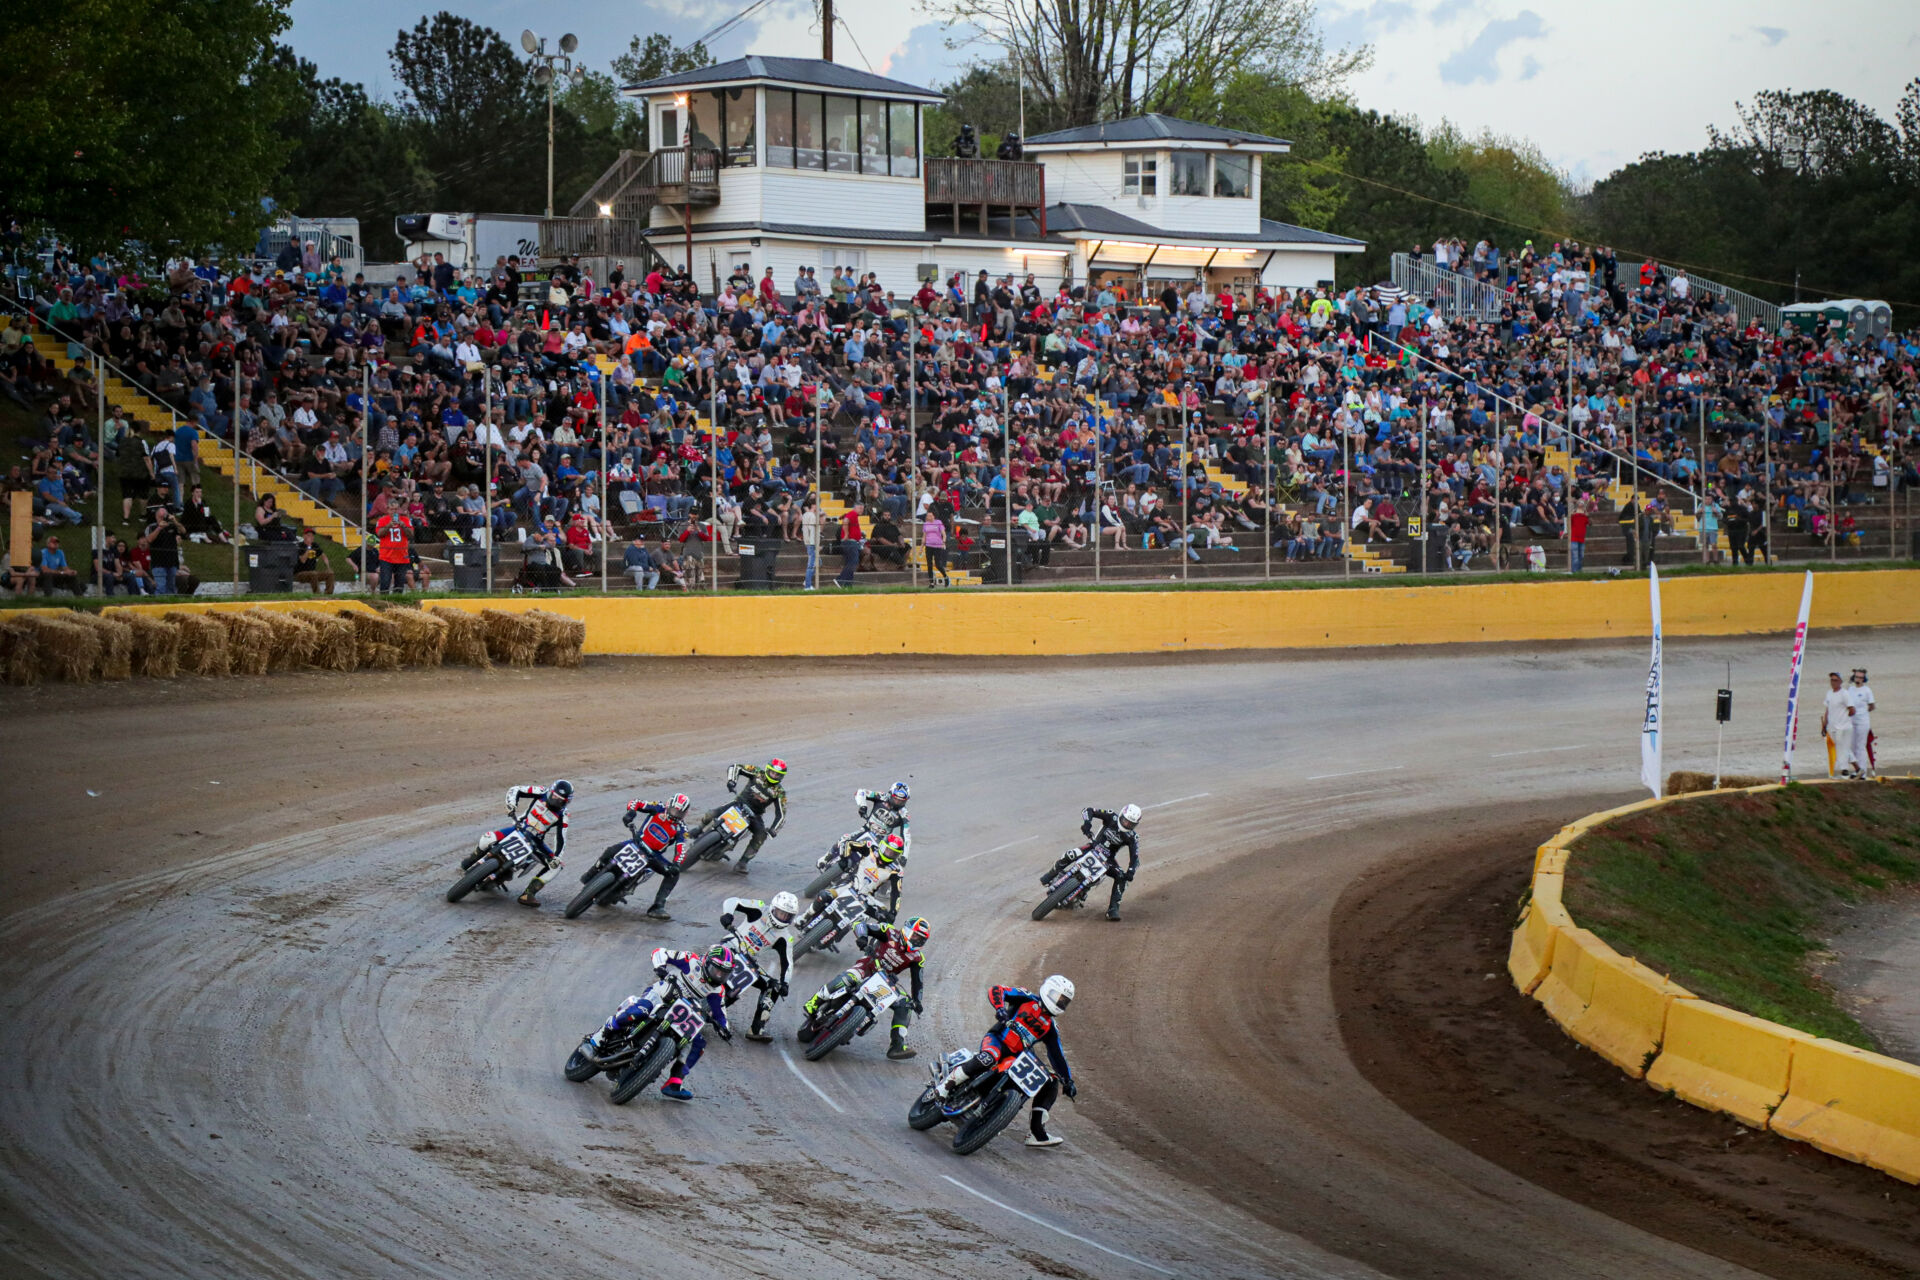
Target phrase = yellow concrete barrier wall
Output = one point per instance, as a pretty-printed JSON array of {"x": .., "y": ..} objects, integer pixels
[
  {"x": 1725, "y": 1060},
  {"x": 1854, "y": 1104},
  {"x": 1849, "y": 1102}
]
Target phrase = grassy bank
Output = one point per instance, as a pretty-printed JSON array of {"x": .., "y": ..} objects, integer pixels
[{"x": 1732, "y": 896}]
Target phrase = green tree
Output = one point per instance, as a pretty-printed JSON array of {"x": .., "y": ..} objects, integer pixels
[
  {"x": 347, "y": 157},
  {"x": 474, "y": 115},
  {"x": 141, "y": 120},
  {"x": 1510, "y": 179},
  {"x": 987, "y": 97},
  {"x": 1395, "y": 193}
]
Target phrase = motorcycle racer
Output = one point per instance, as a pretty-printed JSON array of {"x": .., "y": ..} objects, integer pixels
[
  {"x": 1022, "y": 1019},
  {"x": 706, "y": 974},
  {"x": 888, "y": 949},
  {"x": 1117, "y": 831},
  {"x": 546, "y": 822},
  {"x": 885, "y": 812},
  {"x": 766, "y": 790},
  {"x": 764, "y": 929},
  {"x": 660, "y": 831}
]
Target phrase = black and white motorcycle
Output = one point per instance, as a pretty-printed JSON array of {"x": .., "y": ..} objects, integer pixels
[
  {"x": 833, "y": 918},
  {"x": 512, "y": 856},
  {"x": 854, "y": 1014},
  {"x": 1070, "y": 888}
]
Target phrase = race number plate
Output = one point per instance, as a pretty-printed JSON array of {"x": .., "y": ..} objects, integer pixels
[
  {"x": 1027, "y": 1072},
  {"x": 740, "y": 977},
  {"x": 734, "y": 822},
  {"x": 629, "y": 861},
  {"x": 1093, "y": 863},
  {"x": 878, "y": 990},
  {"x": 685, "y": 1019}
]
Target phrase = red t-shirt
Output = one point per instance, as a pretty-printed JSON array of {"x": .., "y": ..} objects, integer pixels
[
  {"x": 1579, "y": 526},
  {"x": 394, "y": 536}
]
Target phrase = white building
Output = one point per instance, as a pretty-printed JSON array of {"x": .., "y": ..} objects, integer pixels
[{"x": 791, "y": 162}]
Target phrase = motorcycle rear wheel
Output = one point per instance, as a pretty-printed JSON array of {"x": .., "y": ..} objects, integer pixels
[
  {"x": 705, "y": 845},
  {"x": 642, "y": 1072},
  {"x": 1059, "y": 896},
  {"x": 580, "y": 1067},
  {"x": 595, "y": 887},
  {"x": 925, "y": 1111},
  {"x": 843, "y": 1029},
  {"x": 812, "y": 938},
  {"x": 986, "y": 1125},
  {"x": 819, "y": 882},
  {"x": 480, "y": 870}
]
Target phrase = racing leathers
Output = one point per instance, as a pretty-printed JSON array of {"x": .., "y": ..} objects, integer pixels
[
  {"x": 1020, "y": 1022},
  {"x": 1111, "y": 839},
  {"x": 875, "y": 875},
  {"x": 880, "y": 818},
  {"x": 762, "y": 793},
  {"x": 661, "y": 839},
  {"x": 545, "y": 821},
  {"x": 885, "y": 949},
  {"x": 768, "y": 945},
  {"x": 635, "y": 1009}
]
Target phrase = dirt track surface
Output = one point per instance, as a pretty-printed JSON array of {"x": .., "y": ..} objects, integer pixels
[{"x": 245, "y": 1036}]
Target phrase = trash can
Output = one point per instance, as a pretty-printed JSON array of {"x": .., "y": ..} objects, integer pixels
[
  {"x": 758, "y": 558},
  {"x": 270, "y": 567},
  {"x": 469, "y": 568},
  {"x": 995, "y": 572}
]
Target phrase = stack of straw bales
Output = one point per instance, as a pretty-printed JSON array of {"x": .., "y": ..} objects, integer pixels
[
  {"x": 116, "y": 644},
  {"x": 466, "y": 637},
  {"x": 561, "y": 639},
  {"x": 249, "y": 642},
  {"x": 203, "y": 644},
  {"x": 293, "y": 638},
  {"x": 423, "y": 636},
  {"x": 377, "y": 638},
  {"x": 512, "y": 638},
  {"x": 334, "y": 645},
  {"x": 156, "y": 646}
]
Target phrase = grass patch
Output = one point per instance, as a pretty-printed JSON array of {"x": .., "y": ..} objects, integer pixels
[{"x": 1733, "y": 895}]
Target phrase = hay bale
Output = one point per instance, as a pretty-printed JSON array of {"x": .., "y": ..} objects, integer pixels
[
  {"x": 20, "y": 648},
  {"x": 512, "y": 638},
  {"x": 291, "y": 646},
  {"x": 116, "y": 644},
  {"x": 1683, "y": 782},
  {"x": 249, "y": 642},
  {"x": 376, "y": 639},
  {"x": 561, "y": 639},
  {"x": 69, "y": 651},
  {"x": 466, "y": 637},
  {"x": 156, "y": 645},
  {"x": 423, "y": 637},
  {"x": 203, "y": 643},
  {"x": 335, "y": 646}
]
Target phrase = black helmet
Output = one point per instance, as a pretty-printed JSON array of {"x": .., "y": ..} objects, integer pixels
[{"x": 560, "y": 792}]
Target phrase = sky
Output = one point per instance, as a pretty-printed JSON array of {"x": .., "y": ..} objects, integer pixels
[{"x": 1595, "y": 85}]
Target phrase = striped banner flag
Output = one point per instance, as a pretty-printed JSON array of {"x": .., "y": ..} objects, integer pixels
[{"x": 1793, "y": 679}]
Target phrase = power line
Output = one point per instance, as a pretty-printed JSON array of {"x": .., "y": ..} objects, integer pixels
[
  {"x": 842, "y": 24},
  {"x": 730, "y": 23}
]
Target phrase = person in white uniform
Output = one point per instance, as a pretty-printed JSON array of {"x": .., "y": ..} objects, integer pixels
[
  {"x": 1862, "y": 694},
  {"x": 1836, "y": 722}
]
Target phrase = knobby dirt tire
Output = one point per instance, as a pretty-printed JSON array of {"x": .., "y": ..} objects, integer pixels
[
  {"x": 471, "y": 881},
  {"x": 1054, "y": 899},
  {"x": 594, "y": 888},
  {"x": 838, "y": 1034},
  {"x": 580, "y": 1067},
  {"x": 642, "y": 1073},
  {"x": 811, "y": 939},
  {"x": 925, "y": 1111},
  {"x": 984, "y": 1127}
]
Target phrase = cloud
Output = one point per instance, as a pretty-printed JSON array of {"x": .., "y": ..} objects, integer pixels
[
  {"x": 923, "y": 58},
  {"x": 1530, "y": 67},
  {"x": 1447, "y": 10},
  {"x": 1479, "y": 60},
  {"x": 1347, "y": 27},
  {"x": 1772, "y": 35}
]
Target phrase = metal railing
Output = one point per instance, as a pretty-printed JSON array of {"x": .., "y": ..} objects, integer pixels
[
  {"x": 1452, "y": 294},
  {"x": 618, "y": 190},
  {"x": 1746, "y": 308}
]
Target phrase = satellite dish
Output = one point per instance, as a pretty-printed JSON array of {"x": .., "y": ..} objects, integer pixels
[
  {"x": 569, "y": 42},
  {"x": 529, "y": 41},
  {"x": 543, "y": 75}
]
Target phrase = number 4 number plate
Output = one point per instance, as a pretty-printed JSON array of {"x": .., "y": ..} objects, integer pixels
[
  {"x": 1027, "y": 1072},
  {"x": 734, "y": 822}
]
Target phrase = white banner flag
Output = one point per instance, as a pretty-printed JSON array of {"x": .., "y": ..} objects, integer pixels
[
  {"x": 1793, "y": 679},
  {"x": 1650, "y": 772}
]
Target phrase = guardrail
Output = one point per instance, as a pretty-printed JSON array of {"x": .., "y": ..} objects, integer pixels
[
  {"x": 1452, "y": 294},
  {"x": 1848, "y": 1102}
]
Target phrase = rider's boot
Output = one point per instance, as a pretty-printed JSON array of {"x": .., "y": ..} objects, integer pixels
[
  {"x": 480, "y": 849},
  {"x": 899, "y": 1049},
  {"x": 658, "y": 911},
  {"x": 1039, "y": 1137},
  {"x": 675, "y": 1087},
  {"x": 762, "y": 1013},
  {"x": 530, "y": 897},
  {"x": 944, "y": 1088}
]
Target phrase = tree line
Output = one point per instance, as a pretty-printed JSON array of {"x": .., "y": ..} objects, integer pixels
[{"x": 165, "y": 124}]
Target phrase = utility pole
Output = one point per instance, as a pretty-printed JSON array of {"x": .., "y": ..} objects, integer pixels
[
  {"x": 548, "y": 68},
  {"x": 826, "y": 30}
]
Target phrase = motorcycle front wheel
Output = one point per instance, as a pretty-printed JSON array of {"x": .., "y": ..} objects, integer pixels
[
  {"x": 705, "y": 845},
  {"x": 595, "y": 887},
  {"x": 985, "y": 1125},
  {"x": 839, "y": 1033},
  {"x": 812, "y": 938},
  {"x": 925, "y": 1111},
  {"x": 819, "y": 882},
  {"x": 1058, "y": 897},
  {"x": 642, "y": 1072},
  {"x": 471, "y": 881},
  {"x": 580, "y": 1066}
]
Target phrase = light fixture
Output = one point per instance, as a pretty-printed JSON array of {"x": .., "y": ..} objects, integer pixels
[
  {"x": 529, "y": 41},
  {"x": 547, "y": 68},
  {"x": 606, "y": 211},
  {"x": 569, "y": 42}
]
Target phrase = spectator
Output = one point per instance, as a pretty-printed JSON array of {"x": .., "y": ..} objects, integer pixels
[
  {"x": 852, "y": 540},
  {"x": 55, "y": 575},
  {"x": 312, "y": 568},
  {"x": 638, "y": 564},
  {"x": 396, "y": 550},
  {"x": 162, "y": 541}
]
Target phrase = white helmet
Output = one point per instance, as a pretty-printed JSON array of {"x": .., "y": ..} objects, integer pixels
[
  {"x": 1056, "y": 993},
  {"x": 784, "y": 907},
  {"x": 1130, "y": 816}
]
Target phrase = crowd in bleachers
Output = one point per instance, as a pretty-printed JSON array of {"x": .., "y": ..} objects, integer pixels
[{"x": 1020, "y": 396}]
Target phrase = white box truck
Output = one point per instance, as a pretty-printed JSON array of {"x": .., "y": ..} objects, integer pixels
[{"x": 470, "y": 239}]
